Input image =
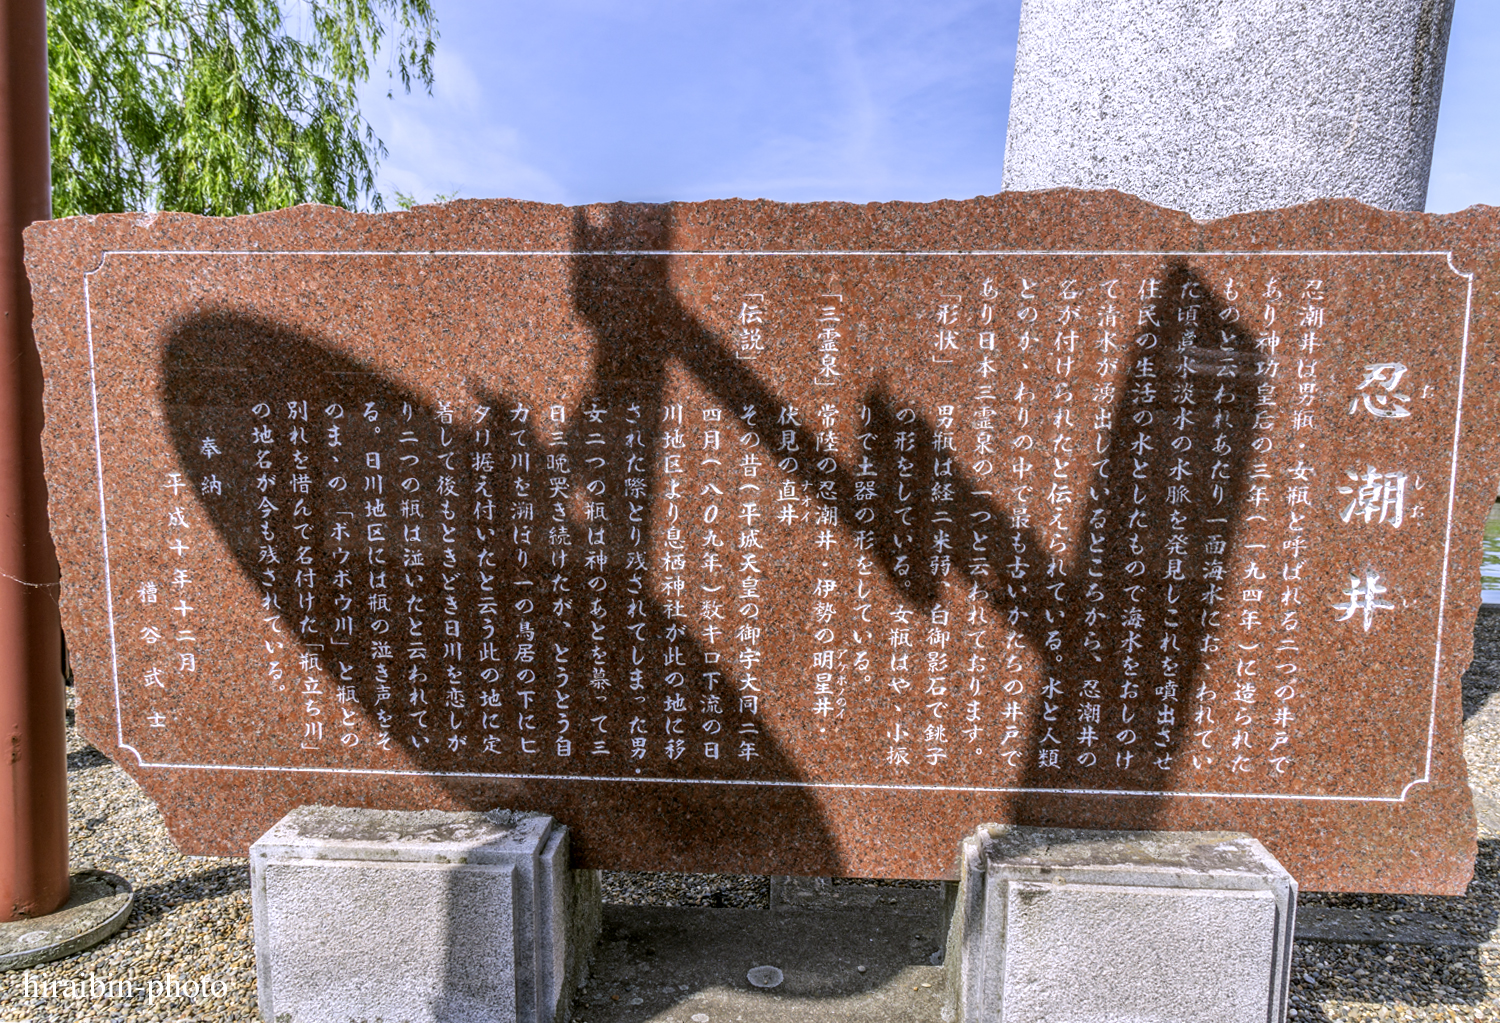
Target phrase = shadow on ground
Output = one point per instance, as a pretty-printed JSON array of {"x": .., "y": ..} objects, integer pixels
[
  {"x": 1482, "y": 679},
  {"x": 152, "y": 901},
  {"x": 83, "y": 759},
  {"x": 871, "y": 965},
  {"x": 1387, "y": 977},
  {"x": 1406, "y": 975}
]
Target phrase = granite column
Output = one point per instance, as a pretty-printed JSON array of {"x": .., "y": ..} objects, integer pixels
[{"x": 1220, "y": 108}]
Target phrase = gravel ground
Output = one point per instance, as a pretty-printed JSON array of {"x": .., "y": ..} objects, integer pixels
[
  {"x": 191, "y": 922},
  {"x": 1409, "y": 982}
]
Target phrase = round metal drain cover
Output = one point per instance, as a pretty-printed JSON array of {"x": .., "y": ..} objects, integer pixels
[{"x": 764, "y": 976}]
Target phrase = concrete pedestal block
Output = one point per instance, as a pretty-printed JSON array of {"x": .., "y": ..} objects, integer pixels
[
  {"x": 419, "y": 916},
  {"x": 1068, "y": 926}
]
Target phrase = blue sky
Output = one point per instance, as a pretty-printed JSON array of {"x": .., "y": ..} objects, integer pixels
[{"x": 577, "y": 101}]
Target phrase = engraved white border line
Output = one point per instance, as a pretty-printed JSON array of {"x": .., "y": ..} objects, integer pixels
[
  {"x": 109, "y": 590},
  {"x": 763, "y": 252},
  {"x": 1458, "y": 415},
  {"x": 755, "y": 783},
  {"x": 488, "y": 253}
]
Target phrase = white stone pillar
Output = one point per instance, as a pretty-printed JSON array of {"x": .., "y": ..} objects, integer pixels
[
  {"x": 424, "y": 916},
  {"x": 1101, "y": 926},
  {"x": 1221, "y": 106}
]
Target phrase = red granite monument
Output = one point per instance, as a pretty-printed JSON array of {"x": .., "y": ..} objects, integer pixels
[{"x": 784, "y": 539}]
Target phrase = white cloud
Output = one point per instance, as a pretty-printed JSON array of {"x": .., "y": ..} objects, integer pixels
[{"x": 450, "y": 143}]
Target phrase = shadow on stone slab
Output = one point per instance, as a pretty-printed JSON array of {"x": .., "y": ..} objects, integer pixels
[
  {"x": 217, "y": 360},
  {"x": 643, "y": 338},
  {"x": 659, "y": 963}
]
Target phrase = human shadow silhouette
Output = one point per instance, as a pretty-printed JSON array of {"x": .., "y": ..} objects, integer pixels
[
  {"x": 418, "y": 563},
  {"x": 297, "y": 539},
  {"x": 1131, "y": 587},
  {"x": 1215, "y": 355},
  {"x": 425, "y": 521}
]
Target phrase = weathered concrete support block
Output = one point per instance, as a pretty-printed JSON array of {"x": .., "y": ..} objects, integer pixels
[
  {"x": 419, "y": 916},
  {"x": 1068, "y": 926}
]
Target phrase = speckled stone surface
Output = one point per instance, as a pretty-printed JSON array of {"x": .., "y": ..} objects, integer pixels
[
  {"x": 760, "y": 538},
  {"x": 1218, "y": 108}
]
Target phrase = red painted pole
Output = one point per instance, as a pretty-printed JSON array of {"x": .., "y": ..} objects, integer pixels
[{"x": 33, "y": 751}]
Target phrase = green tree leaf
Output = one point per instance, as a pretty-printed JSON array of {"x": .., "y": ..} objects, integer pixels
[{"x": 222, "y": 106}]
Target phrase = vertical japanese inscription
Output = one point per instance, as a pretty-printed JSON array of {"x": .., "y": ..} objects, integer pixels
[{"x": 1056, "y": 522}]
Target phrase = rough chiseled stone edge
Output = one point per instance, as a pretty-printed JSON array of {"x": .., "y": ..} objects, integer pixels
[{"x": 59, "y": 251}]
